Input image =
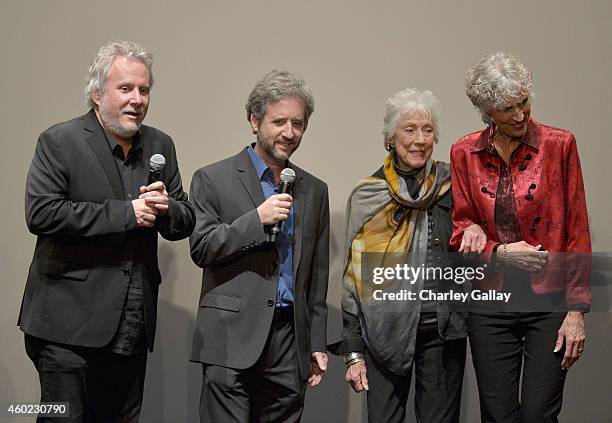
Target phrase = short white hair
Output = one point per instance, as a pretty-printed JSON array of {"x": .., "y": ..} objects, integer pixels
[
  {"x": 100, "y": 66},
  {"x": 494, "y": 81},
  {"x": 410, "y": 100}
]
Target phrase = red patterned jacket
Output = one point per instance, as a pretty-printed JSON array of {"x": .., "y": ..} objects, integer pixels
[{"x": 550, "y": 204}]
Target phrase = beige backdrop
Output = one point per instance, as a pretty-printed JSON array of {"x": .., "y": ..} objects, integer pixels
[{"x": 354, "y": 54}]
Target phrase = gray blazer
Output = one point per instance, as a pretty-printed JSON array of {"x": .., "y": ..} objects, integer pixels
[{"x": 240, "y": 276}]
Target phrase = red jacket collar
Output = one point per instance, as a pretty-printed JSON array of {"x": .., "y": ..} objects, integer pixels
[{"x": 485, "y": 140}]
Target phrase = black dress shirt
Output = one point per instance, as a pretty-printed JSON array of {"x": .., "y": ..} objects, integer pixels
[{"x": 130, "y": 336}]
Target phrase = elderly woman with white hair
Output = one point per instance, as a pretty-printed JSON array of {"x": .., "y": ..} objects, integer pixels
[
  {"x": 401, "y": 215},
  {"x": 521, "y": 182}
]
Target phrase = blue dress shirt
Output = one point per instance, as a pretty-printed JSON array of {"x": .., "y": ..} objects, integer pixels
[{"x": 284, "y": 296}]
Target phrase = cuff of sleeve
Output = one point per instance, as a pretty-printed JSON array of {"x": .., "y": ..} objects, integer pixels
[
  {"x": 318, "y": 344},
  {"x": 130, "y": 216},
  {"x": 585, "y": 308},
  {"x": 163, "y": 223},
  {"x": 171, "y": 207},
  {"x": 487, "y": 254},
  {"x": 260, "y": 234},
  {"x": 250, "y": 225},
  {"x": 354, "y": 344}
]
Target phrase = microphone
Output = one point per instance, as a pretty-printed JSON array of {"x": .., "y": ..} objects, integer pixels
[
  {"x": 157, "y": 163},
  {"x": 287, "y": 177}
]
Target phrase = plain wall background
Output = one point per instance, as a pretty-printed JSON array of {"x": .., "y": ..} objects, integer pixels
[{"x": 354, "y": 55}]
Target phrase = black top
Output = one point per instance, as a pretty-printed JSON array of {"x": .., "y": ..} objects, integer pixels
[
  {"x": 130, "y": 336},
  {"x": 428, "y": 313}
]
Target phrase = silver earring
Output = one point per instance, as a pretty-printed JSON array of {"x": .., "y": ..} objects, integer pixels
[{"x": 389, "y": 147}]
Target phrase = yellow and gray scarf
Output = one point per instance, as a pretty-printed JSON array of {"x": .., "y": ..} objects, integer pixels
[{"x": 384, "y": 219}]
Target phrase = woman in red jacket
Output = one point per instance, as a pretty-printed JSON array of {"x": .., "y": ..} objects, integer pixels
[{"x": 521, "y": 182}]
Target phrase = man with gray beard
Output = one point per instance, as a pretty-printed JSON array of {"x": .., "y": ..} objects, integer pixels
[{"x": 90, "y": 301}]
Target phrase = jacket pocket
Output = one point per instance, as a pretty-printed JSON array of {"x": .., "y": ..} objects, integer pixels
[
  {"x": 221, "y": 302},
  {"x": 58, "y": 269}
]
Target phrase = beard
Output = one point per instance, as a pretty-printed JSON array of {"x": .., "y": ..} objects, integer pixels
[
  {"x": 111, "y": 121},
  {"x": 267, "y": 146}
]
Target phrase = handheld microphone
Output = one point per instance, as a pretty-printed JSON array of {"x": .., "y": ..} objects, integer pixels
[
  {"x": 157, "y": 163},
  {"x": 287, "y": 177}
]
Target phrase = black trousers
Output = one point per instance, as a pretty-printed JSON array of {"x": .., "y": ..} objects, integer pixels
[
  {"x": 503, "y": 342},
  {"x": 438, "y": 368},
  {"x": 271, "y": 390},
  {"x": 99, "y": 386}
]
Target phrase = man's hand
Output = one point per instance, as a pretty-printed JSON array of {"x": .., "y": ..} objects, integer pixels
[
  {"x": 155, "y": 196},
  {"x": 474, "y": 240},
  {"x": 274, "y": 209},
  {"x": 318, "y": 367},
  {"x": 145, "y": 214},
  {"x": 572, "y": 331},
  {"x": 356, "y": 376}
]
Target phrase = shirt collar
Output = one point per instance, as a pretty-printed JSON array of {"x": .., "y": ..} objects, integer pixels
[
  {"x": 485, "y": 141},
  {"x": 260, "y": 165},
  {"x": 115, "y": 146}
]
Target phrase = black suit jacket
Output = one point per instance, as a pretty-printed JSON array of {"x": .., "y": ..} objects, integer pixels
[
  {"x": 240, "y": 277},
  {"x": 75, "y": 203}
]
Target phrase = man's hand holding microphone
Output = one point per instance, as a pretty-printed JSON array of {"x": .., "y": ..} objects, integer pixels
[{"x": 153, "y": 199}]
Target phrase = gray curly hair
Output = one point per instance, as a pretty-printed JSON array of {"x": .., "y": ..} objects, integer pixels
[
  {"x": 495, "y": 80},
  {"x": 98, "y": 71},
  {"x": 275, "y": 86},
  {"x": 410, "y": 100}
]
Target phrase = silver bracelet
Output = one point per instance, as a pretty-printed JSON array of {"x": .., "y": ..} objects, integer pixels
[
  {"x": 352, "y": 357},
  {"x": 505, "y": 253}
]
